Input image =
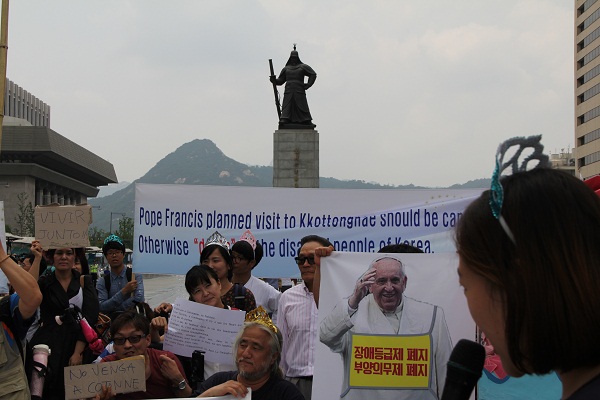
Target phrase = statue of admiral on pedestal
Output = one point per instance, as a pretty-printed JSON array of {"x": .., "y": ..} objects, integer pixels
[{"x": 294, "y": 114}]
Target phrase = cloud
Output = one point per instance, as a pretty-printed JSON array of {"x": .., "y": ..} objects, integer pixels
[{"x": 417, "y": 92}]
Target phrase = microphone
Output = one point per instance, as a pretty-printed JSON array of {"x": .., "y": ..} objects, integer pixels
[{"x": 464, "y": 370}]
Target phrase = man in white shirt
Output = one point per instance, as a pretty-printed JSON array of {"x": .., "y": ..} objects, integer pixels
[
  {"x": 246, "y": 253},
  {"x": 297, "y": 320}
]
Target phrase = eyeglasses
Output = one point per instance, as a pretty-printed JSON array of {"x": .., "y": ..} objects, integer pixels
[
  {"x": 113, "y": 253},
  {"x": 61, "y": 253},
  {"x": 302, "y": 260},
  {"x": 132, "y": 339}
]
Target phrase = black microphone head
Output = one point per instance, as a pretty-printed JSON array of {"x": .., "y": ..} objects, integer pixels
[
  {"x": 468, "y": 356},
  {"x": 465, "y": 367}
]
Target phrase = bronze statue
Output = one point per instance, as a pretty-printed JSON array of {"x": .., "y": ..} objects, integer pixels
[{"x": 294, "y": 111}]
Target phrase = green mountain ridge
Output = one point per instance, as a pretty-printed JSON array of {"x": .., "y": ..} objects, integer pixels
[{"x": 201, "y": 162}]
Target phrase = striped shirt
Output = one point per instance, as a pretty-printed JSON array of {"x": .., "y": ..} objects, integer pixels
[{"x": 297, "y": 320}]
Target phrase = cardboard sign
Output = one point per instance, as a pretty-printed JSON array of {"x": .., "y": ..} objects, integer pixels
[
  {"x": 123, "y": 376},
  {"x": 62, "y": 226}
]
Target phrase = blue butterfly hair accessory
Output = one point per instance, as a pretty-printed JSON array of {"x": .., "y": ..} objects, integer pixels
[{"x": 519, "y": 162}]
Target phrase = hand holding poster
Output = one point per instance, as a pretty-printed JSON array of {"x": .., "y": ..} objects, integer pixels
[
  {"x": 62, "y": 226},
  {"x": 195, "y": 326}
]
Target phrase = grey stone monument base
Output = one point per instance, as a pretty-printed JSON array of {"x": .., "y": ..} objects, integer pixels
[{"x": 296, "y": 158}]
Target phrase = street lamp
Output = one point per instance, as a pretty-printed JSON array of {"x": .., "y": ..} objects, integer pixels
[{"x": 111, "y": 219}]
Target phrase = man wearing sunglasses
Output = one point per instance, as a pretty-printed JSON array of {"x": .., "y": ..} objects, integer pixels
[
  {"x": 297, "y": 319},
  {"x": 164, "y": 374}
]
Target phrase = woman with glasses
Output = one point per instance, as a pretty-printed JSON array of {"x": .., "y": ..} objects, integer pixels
[
  {"x": 60, "y": 289},
  {"x": 247, "y": 253}
]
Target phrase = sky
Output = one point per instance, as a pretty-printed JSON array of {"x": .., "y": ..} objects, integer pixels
[{"x": 407, "y": 92}]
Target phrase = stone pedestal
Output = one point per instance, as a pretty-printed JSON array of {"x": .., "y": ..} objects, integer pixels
[{"x": 296, "y": 158}]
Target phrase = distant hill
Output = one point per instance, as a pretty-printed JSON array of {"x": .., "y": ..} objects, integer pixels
[
  {"x": 484, "y": 183},
  {"x": 201, "y": 162}
]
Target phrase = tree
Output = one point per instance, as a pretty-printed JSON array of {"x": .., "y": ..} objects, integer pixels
[
  {"x": 25, "y": 218},
  {"x": 125, "y": 231},
  {"x": 97, "y": 236}
]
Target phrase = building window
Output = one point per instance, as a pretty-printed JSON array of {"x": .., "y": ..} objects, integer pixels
[
  {"x": 589, "y": 20},
  {"x": 593, "y": 113},
  {"x": 585, "y": 6},
  {"x": 591, "y": 74},
  {"x": 588, "y": 94},
  {"x": 589, "y": 56},
  {"x": 589, "y": 159},
  {"x": 588, "y": 39},
  {"x": 589, "y": 137}
]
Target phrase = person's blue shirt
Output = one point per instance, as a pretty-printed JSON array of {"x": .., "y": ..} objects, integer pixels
[{"x": 116, "y": 300}]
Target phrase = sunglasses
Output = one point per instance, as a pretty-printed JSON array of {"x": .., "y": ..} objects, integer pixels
[
  {"x": 132, "y": 339},
  {"x": 302, "y": 260}
]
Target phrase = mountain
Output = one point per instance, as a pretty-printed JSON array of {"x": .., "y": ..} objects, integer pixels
[{"x": 201, "y": 162}]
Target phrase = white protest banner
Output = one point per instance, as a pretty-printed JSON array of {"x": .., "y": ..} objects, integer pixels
[
  {"x": 195, "y": 326},
  {"x": 123, "y": 376},
  {"x": 172, "y": 222},
  {"x": 62, "y": 226},
  {"x": 432, "y": 279}
]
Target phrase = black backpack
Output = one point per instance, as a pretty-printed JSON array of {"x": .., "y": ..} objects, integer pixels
[{"x": 239, "y": 296}]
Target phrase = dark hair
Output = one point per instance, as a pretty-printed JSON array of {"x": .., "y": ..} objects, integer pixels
[
  {"x": 315, "y": 238},
  {"x": 80, "y": 255},
  {"x": 130, "y": 317},
  {"x": 400, "y": 248},
  {"x": 112, "y": 245},
  {"x": 197, "y": 275},
  {"x": 547, "y": 281},
  {"x": 43, "y": 263},
  {"x": 245, "y": 249},
  {"x": 208, "y": 250},
  {"x": 30, "y": 257},
  {"x": 143, "y": 309}
]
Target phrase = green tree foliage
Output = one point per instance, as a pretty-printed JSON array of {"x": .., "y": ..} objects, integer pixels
[
  {"x": 125, "y": 231},
  {"x": 97, "y": 236},
  {"x": 25, "y": 219}
]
